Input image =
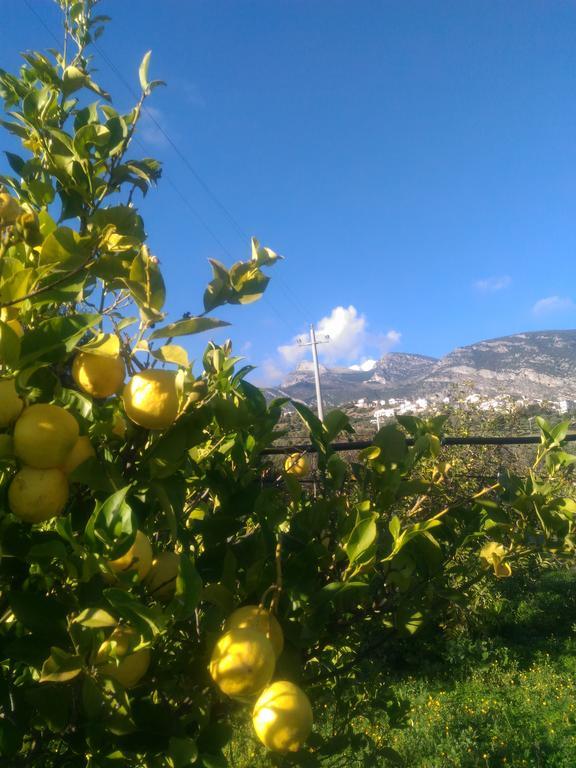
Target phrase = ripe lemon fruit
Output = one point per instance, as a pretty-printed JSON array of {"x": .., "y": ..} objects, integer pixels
[
  {"x": 97, "y": 375},
  {"x": 161, "y": 580},
  {"x": 242, "y": 663},
  {"x": 36, "y": 495},
  {"x": 297, "y": 465},
  {"x": 138, "y": 558},
  {"x": 82, "y": 451},
  {"x": 10, "y": 404},
  {"x": 44, "y": 435},
  {"x": 282, "y": 717},
  {"x": 129, "y": 666},
  {"x": 258, "y": 618},
  {"x": 151, "y": 398}
]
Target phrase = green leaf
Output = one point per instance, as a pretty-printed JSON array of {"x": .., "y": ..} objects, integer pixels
[
  {"x": 336, "y": 422},
  {"x": 73, "y": 79},
  {"x": 172, "y": 353},
  {"x": 149, "y": 621},
  {"x": 103, "y": 344},
  {"x": 394, "y": 526},
  {"x": 263, "y": 256},
  {"x": 54, "y": 339},
  {"x": 60, "y": 667},
  {"x": 146, "y": 282},
  {"x": 188, "y": 588},
  {"x": 95, "y": 618},
  {"x": 392, "y": 444},
  {"x": 143, "y": 71},
  {"x": 39, "y": 613},
  {"x": 112, "y": 526},
  {"x": 311, "y": 421},
  {"x": 183, "y": 752},
  {"x": 361, "y": 540},
  {"x": 9, "y": 346},
  {"x": 188, "y": 327},
  {"x": 66, "y": 248}
]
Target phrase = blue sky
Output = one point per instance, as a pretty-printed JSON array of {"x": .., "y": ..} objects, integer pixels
[{"x": 414, "y": 160}]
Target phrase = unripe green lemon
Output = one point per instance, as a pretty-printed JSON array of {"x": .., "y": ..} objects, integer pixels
[
  {"x": 97, "y": 375},
  {"x": 242, "y": 663},
  {"x": 44, "y": 435},
  {"x": 82, "y": 451},
  {"x": 297, "y": 465},
  {"x": 10, "y": 404},
  {"x": 161, "y": 580},
  {"x": 151, "y": 398},
  {"x": 258, "y": 618},
  {"x": 129, "y": 666},
  {"x": 36, "y": 495},
  {"x": 138, "y": 558},
  {"x": 282, "y": 717}
]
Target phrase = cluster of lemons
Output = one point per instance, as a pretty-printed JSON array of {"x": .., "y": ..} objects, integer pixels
[
  {"x": 242, "y": 666},
  {"x": 122, "y": 656},
  {"x": 46, "y": 441},
  {"x": 46, "y": 437}
]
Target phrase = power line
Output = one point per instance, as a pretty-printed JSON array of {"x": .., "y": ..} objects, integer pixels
[{"x": 207, "y": 189}]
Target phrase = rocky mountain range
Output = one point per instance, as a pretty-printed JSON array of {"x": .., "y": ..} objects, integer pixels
[{"x": 539, "y": 365}]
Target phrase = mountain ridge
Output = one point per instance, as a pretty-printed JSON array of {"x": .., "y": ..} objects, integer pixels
[{"x": 534, "y": 365}]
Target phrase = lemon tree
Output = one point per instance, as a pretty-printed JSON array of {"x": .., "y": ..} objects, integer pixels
[{"x": 161, "y": 579}]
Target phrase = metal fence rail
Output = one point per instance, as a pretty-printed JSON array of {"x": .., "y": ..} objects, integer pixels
[{"x": 358, "y": 445}]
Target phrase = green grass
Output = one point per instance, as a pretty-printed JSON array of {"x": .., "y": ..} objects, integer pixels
[{"x": 502, "y": 695}]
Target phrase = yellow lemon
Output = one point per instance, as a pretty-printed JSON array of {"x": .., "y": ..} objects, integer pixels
[
  {"x": 44, "y": 435},
  {"x": 161, "y": 580},
  {"x": 242, "y": 662},
  {"x": 151, "y": 398},
  {"x": 10, "y": 404},
  {"x": 82, "y": 451},
  {"x": 258, "y": 618},
  {"x": 36, "y": 495},
  {"x": 129, "y": 666},
  {"x": 297, "y": 465},
  {"x": 282, "y": 717},
  {"x": 97, "y": 375},
  {"x": 138, "y": 558}
]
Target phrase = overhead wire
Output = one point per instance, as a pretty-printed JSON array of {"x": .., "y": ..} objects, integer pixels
[{"x": 184, "y": 199}]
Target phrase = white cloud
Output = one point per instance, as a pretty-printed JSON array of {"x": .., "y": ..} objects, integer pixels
[
  {"x": 493, "y": 284},
  {"x": 346, "y": 330},
  {"x": 152, "y": 127},
  {"x": 269, "y": 373},
  {"x": 365, "y": 365},
  {"x": 349, "y": 341},
  {"x": 552, "y": 304}
]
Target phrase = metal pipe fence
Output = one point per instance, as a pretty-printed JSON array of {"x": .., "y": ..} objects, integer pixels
[{"x": 358, "y": 445}]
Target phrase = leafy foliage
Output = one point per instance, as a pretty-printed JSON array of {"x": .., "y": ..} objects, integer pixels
[{"x": 377, "y": 550}]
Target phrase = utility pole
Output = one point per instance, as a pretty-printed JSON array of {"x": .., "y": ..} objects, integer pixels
[{"x": 314, "y": 343}]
